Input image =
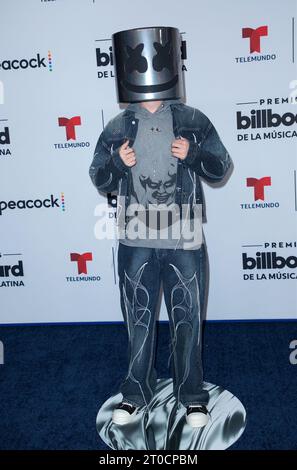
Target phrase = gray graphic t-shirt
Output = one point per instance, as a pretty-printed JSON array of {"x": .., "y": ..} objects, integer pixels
[
  {"x": 154, "y": 175},
  {"x": 154, "y": 178}
]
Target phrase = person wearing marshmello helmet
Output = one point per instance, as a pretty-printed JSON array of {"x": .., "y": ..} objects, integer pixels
[{"x": 154, "y": 155}]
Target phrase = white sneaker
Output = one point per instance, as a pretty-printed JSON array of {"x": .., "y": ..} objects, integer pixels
[
  {"x": 197, "y": 416},
  {"x": 124, "y": 413}
]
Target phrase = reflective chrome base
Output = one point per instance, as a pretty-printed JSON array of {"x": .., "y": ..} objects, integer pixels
[{"x": 163, "y": 425}]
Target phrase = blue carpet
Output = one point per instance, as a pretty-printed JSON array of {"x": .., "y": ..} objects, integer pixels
[{"x": 56, "y": 377}]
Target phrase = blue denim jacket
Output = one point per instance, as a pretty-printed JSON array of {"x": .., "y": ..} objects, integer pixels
[{"x": 207, "y": 157}]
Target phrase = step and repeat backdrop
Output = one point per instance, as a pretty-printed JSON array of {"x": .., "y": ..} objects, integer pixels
[{"x": 57, "y": 92}]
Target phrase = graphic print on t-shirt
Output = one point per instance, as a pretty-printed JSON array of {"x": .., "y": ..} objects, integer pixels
[
  {"x": 159, "y": 189},
  {"x": 154, "y": 174}
]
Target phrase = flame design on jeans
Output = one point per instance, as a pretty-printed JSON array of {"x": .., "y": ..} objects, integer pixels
[
  {"x": 138, "y": 314},
  {"x": 188, "y": 305}
]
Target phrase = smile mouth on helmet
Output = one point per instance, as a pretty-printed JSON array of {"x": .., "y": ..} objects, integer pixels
[{"x": 150, "y": 88}]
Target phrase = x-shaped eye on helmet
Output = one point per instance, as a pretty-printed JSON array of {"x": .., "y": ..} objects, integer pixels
[
  {"x": 163, "y": 58},
  {"x": 135, "y": 60}
]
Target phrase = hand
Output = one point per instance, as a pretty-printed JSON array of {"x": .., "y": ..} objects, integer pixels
[
  {"x": 127, "y": 154},
  {"x": 180, "y": 148}
]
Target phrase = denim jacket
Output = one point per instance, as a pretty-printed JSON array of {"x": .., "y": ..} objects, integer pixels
[{"x": 207, "y": 157}]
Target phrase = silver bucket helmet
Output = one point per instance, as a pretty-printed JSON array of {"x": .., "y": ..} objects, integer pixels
[{"x": 148, "y": 64}]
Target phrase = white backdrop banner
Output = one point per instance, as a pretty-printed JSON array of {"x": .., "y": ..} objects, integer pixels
[{"x": 57, "y": 92}]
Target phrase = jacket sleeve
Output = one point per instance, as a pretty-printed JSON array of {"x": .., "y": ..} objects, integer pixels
[
  {"x": 107, "y": 167},
  {"x": 209, "y": 158}
]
